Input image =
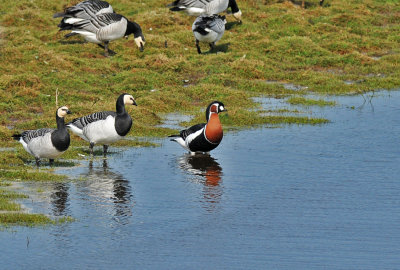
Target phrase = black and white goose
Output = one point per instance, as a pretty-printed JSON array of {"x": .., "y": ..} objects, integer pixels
[
  {"x": 208, "y": 29},
  {"x": 206, "y": 7},
  {"x": 84, "y": 10},
  {"x": 103, "y": 28},
  {"x": 203, "y": 137},
  {"x": 46, "y": 142},
  {"x": 104, "y": 127}
]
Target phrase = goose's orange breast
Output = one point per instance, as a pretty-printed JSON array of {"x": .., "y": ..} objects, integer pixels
[{"x": 214, "y": 131}]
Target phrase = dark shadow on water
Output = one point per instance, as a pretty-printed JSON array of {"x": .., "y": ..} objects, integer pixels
[{"x": 206, "y": 170}]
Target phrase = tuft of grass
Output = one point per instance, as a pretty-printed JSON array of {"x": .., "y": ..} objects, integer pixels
[{"x": 310, "y": 102}]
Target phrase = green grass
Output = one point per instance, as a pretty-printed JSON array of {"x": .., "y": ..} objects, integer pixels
[
  {"x": 319, "y": 48},
  {"x": 309, "y": 102}
]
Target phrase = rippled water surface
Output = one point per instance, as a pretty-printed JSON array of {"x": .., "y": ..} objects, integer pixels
[{"x": 296, "y": 197}]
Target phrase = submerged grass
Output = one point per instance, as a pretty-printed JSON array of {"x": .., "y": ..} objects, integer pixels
[
  {"x": 343, "y": 47},
  {"x": 309, "y": 102}
]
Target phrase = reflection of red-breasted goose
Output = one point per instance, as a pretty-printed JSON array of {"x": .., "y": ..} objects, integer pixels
[
  {"x": 104, "y": 127},
  {"x": 104, "y": 28},
  {"x": 46, "y": 142},
  {"x": 85, "y": 10},
  {"x": 203, "y": 137},
  {"x": 208, "y": 29},
  {"x": 206, "y": 7}
]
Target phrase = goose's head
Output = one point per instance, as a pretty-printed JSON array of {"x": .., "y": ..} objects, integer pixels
[
  {"x": 238, "y": 16},
  {"x": 129, "y": 100},
  {"x": 134, "y": 28},
  {"x": 215, "y": 107},
  {"x": 63, "y": 111},
  {"x": 140, "y": 41}
]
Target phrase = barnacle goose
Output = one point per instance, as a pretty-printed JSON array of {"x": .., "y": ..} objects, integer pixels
[
  {"x": 85, "y": 10},
  {"x": 208, "y": 29},
  {"x": 203, "y": 137},
  {"x": 46, "y": 142},
  {"x": 104, "y": 28},
  {"x": 104, "y": 127},
  {"x": 207, "y": 7}
]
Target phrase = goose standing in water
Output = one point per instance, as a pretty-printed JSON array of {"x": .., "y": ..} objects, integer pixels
[
  {"x": 103, "y": 28},
  {"x": 208, "y": 29},
  {"x": 203, "y": 137},
  {"x": 46, "y": 142},
  {"x": 206, "y": 7},
  {"x": 104, "y": 127}
]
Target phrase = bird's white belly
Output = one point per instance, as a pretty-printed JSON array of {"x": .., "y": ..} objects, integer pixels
[
  {"x": 42, "y": 147},
  {"x": 194, "y": 11},
  {"x": 209, "y": 38},
  {"x": 102, "y": 131}
]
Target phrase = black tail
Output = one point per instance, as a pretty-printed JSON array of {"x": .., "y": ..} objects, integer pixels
[
  {"x": 177, "y": 9},
  {"x": 173, "y": 136},
  {"x": 16, "y": 137},
  {"x": 59, "y": 14}
]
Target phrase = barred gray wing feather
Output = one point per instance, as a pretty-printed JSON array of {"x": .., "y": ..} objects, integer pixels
[
  {"x": 28, "y": 135},
  {"x": 192, "y": 3},
  {"x": 107, "y": 19},
  {"x": 81, "y": 122}
]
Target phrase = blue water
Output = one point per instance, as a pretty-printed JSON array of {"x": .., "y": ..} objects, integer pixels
[{"x": 294, "y": 197}]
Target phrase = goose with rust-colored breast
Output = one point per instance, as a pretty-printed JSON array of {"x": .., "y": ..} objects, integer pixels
[
  {"x": 206, "y": 7},
  {"x": 103, "y": 28},
  {"x": 203, "y": 137},
  {"x": 104, "y": 127},
  {"x": 47, "y": 142},
  {"x": 208, "y": 29}
]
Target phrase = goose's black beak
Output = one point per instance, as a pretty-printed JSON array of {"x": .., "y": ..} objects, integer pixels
[
  {"x": 69, "y": 112},
  {"x": 141, "y": 47}
]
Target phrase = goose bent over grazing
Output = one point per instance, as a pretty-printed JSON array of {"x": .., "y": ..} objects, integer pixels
[
  {"x": 203, "y": 137},
  {"x": 46, "y": 142},
  {"x": 85, "y": 10},
  {"x": 104, "y": 28},
  {"x": 208, "y": 29},
  {"x": 104, "y": 127},
  {"x": 206, "y": 7}
]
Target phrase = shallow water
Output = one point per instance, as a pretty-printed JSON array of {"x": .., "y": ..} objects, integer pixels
[{"x": 296, "y": 197}]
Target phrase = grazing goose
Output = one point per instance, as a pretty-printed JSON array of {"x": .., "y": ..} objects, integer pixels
[
  {"x": 208, "y": 29},
  {"x": 104, "y": 127},
  {"x": 104, "y": 28},
  {"x": 46, "y": 142},
  {"x": 85, "y": 10},
  {"x": 206, "y": 7},
  {"x": 203, "y": 137}
]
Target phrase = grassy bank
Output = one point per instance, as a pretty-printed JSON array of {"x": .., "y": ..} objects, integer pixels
[{"x": 343, "y": 47}]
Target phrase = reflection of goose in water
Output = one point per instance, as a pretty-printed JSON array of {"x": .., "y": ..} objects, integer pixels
[
  {"x": 207, "y": 171},
  {"x": 59, "y": 199},
  {"x": 104, "y": 186}
]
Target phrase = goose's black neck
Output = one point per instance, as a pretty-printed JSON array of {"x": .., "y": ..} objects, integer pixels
[
  {"x": 60, "y": 137},
  {"x": 123, "y": 121},
  {"x": 234, "y": 6},
  {"x": 133, "y": 28},
  {"x": 120, "y": 105},
  {"x": 60, "y": 123}
]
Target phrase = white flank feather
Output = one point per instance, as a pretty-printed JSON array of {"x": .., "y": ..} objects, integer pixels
[{"x": 102, "y": 131}]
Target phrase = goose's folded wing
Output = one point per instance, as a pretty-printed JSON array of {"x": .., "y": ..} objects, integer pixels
[
  {"x": 28, "y": 135},
  {"x": 193, "y": 129},
  {"x": 83, "y": 121}
]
